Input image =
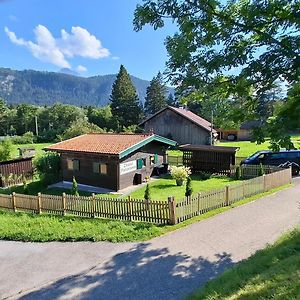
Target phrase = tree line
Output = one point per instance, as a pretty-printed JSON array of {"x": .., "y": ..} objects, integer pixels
[{"x": 62, "y": 121}]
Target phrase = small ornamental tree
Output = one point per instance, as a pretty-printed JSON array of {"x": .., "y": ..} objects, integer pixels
[
  {"x": 180, "y": 174},
  {"x": 147, "y": 195},
  {"x": 5, "y": 150},
  {"x": 238, "y": 173},
  {"x": 188, "y": 187},
  {"x": 74, "y": 190},
  {"x": 261, "y": 170}
]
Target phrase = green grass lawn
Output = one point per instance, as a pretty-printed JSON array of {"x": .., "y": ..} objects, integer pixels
[
  {"x": 272, "y": 273},
  {"x": 38, "y": 148},
  {"x": 45, "y": 228},
  {"x": 165, "y": 187}
]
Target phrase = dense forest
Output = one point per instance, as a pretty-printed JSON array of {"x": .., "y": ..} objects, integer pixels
[{"x": 47, "y": 88}]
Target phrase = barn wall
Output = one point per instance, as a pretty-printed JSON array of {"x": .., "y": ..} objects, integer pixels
[{"x": 171, "y": 125}]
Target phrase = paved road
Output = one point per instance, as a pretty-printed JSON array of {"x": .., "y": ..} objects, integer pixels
[{"x": 166, "y": 267}]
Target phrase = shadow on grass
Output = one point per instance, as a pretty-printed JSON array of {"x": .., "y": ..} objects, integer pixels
[{"x": 139, "y": 273}]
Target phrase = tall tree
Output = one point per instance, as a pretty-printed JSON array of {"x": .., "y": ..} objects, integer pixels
[
  {"x": 156, "y": 95},
  {"x": 3, "y": 117},
  {"x": 125, "y": 105},
  {"x": 252, "y": 42}
]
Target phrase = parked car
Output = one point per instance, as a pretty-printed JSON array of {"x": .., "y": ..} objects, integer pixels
[{"x": 286, "y": 158}]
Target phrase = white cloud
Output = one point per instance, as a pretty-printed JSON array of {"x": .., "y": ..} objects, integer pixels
[
  {"x": 49, "y": 49},
  {"x": 115, "y": 57},
  {"x": 81, "y": 69}
]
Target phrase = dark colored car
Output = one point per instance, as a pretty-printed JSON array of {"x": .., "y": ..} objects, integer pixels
[{"x": 284, "y": 158}]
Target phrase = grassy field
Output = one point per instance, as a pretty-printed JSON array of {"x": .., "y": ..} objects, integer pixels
[
  {"x": 163, "y": 188},
  {"x": 246, "y": 148},
  {"x": 38, "y": 148},
  {"x": 45, "y": 228},
  {"x": 272, "y": 273}
]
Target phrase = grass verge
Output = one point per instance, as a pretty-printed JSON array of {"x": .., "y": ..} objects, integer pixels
[
  {"x": 45, "y": 228},
  {"x": 271, "y": 273}
]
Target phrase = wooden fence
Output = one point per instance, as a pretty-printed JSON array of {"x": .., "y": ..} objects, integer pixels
[
  {"x": 124, "y": 208},
  {"x": 159, "y": 212},
  {"x": 204, "y": 202}
]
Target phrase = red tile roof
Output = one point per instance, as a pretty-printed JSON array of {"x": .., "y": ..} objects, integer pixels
[
  {"x": 104, "y": 143},
  {"x": 188, "y": 115}
]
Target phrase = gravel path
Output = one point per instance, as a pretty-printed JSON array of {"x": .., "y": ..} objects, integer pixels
[{"x": 166, "y": 267}]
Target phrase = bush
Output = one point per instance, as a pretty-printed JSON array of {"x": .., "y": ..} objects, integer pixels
[
  {"x": 204, "y": 175},
  {"x": 261, "y": 170},
  {"x": 180, "y": 174},
  {"x": 238, "y": 173},
  {"x": 5, "y": 149},
  {"x": 74, "y": 190},
  {"x": 188, "y": 188},
  {"x": 26, "y": 138},
  {"x": 48, "y": 167},
  {"x": 147, "y": 195}
]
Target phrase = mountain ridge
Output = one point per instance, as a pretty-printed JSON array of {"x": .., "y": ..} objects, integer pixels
[{"x": 47, "y": 88}]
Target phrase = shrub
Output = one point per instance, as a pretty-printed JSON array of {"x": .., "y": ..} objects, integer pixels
[
  {"x": 238, "y": 173},
  {"x": 147, "y": 195},
  {"x": 204, "y": 175},
  {"x": 26, "y": 138},
  {"x": 180, "y": 174},
  {"x": 48, "y": 167},
  {"x": 74, "y": 190},
  {"x": 5, "y": 149},
  {"x": 261, "y": 170},
  {"x": 188, "y": 187}
]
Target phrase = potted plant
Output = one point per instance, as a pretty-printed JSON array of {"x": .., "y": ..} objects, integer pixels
[{"x": 180, "y": 174}]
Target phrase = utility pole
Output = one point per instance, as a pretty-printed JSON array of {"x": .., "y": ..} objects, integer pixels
[
  {"x": 36, "y": 126},
  {"x": 212, "y": 140}
]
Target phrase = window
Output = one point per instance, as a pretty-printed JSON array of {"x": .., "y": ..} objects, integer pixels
[
  {"x": 73, "y": 164},
  {"x": 141, "y": 163},
  {"x": 153, "y": 159},
  {"x": 99, "y": 168}
]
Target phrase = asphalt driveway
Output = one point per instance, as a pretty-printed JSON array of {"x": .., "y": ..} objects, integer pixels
[{"x": 166, "y": 267}]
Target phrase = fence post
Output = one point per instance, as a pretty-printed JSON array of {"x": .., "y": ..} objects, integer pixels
[
  {"x": 290, "y": 175},
  {"x": 264, "y": 183},
  {"x": 39, "y": 203},
  {"x": 93, "y": 207},
  {"x": 64, "y": 203},
  {"x": 198, "y": 204},
  {"x": 172, "y": 209},
  {"x": 128, "y": 205},
  {"x": 227, "y": 195},
  {"x": 13, "y": 200}
]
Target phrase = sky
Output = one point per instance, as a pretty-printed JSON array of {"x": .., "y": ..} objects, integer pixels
[{"x": 91, "y": 37}]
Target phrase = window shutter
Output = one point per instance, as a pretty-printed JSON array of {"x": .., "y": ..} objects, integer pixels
[
  {"x": 140, "y": 163},
  {"x": 96, "y": 167},
  {"x": 76, "y": 164},
  {"x": 156, "y": 158},
  {"x": 103, "y": 168}
]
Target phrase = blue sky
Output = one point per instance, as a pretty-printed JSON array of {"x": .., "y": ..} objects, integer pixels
[{"x": 89, "y": 36}]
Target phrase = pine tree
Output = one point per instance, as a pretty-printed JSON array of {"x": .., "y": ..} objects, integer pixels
[
  {"x": 171, "y": 101},
  {"x": 125, "y": 105},
  {"x": 74, "y": 190},
  {"x": 188, "y": 187},
  {"x": 156, "y": 95},
  {"x": 147, "y": 195}
]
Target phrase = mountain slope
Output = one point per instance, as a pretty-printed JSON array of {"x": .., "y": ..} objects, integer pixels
[{"x": 46, "y": 88}]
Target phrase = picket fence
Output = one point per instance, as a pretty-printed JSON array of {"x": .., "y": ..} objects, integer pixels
[{"x": 159, "y": 212}]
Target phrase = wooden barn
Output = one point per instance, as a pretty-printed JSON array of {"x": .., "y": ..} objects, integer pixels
[
  {"x": 112, "y": 161},
  {"x": 210, "y": 159},
  {"x": 180, "y": 125},
  {"x": 14, "y": 171}
]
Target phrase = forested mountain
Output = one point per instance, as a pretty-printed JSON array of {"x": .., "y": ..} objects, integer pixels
[{"x": 46, "y": 88}]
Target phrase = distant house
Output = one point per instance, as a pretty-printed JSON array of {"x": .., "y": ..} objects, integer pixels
[
  {"x": 180, "y": 125},
  {"x": 244, "y": 133},
  {"x": 112, "y": 161}
]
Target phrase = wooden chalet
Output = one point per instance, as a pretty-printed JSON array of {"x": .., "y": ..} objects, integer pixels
[
  {"x": 180, "y": 125},
  {"x": 112, "y": 161}
]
